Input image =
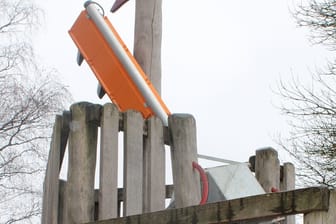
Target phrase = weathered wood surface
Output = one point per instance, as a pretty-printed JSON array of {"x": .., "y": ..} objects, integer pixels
[
  {"x": 133, "y": 163},
  {"x": 147, "y": 39},
  {"x": 154, "y": 167},
  {"x": 108, "y": 181},
  {"x": 287, "y": 182},
  {"x": 249, "y": 208},
  {"x": 82, "y": 160},
  {"x": 64, "y": 133},
  {"x": 147, "y": 51},
  {"x": 267, "y": 168},
  {"x": 183, "y": 153},
  {"x": 323, "y": 217},
  {"x": 51, "y": 184}
]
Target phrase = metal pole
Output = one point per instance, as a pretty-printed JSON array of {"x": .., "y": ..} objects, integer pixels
[
  {"x": 216, "y": 159},
  {"x": 131, "y": 69}
]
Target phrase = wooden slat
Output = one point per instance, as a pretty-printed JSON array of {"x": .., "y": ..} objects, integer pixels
[
  {"x": 133, "y": 163},
  {"x": 51, "y": 185},
  {"x": 62, "y": 208},
  {"x": 287, "y": 182},
  {"x": 64, "y": 133},
  {"x": 183, "y": 152},
  {"x": 108, "y": 181},
  {"x": 82, "y": 161},
  {"x": 254, "y": 207},
  {"x": 154, "y": 167}
]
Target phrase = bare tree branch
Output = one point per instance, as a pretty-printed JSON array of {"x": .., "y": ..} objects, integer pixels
[{"x": 30, "y": 96}]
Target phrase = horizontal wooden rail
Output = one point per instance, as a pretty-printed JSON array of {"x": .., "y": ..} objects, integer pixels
[{"x": 255, "y": 207}]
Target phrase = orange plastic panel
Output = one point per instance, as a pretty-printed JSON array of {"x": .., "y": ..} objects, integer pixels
[{"x": 106, "y": 66}]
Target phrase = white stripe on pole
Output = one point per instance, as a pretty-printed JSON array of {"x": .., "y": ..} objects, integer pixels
[{"x": 131, "y": 69}]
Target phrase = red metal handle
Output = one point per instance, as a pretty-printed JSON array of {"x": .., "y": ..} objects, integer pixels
[{"x": 205, "y": 183}]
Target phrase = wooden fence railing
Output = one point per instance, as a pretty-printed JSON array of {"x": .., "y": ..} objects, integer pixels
[
  {"x": 317, "y": 204},
  {"x": 144, "y": 142},
  {"x": 76, "y": 201}
]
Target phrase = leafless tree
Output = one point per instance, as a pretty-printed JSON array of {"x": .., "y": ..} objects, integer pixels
[
  {"x": 312, "y": 141},
  {"x": 29, "y": 99},
  {"x": 320, "y": 17},
  {"x": 311, "y": 106}
]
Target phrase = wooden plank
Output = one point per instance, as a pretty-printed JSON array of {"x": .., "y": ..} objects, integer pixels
[
  {"x": 269, "y": 206},
  {"x": 287, "y": 182},
  {"x": 51, "y": 185},
  {"x": 64, "y": 133},
  {"x": 323, "y": 217},
  {"x": 147, "y": 39},
  {"x": 108, "y": 181},
  {"x": 133, "y": 163},
  {"x": 82, "y": 161},
  {"x": 183, "y": 152},
  {"x": 154, "y": 167},
  {"x": 267, "y": 168},
  {"x": 62, "y": 202}
]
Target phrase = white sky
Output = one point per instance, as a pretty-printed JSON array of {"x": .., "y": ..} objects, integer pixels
[{"x": 220, "y": 61}]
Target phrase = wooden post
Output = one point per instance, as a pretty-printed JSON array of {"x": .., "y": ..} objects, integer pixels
[
  {"x": 267, "y": 168},
  {"x": 287, "y": 183},
  {"x": 147, "y": 52},
  {"x": 62, "y": 212},
  {"x": 50, "y": 207},
  {"x": 183, "y": 152},
  {"x": 154, "y": 167},
  {"x": 147, "y": 38},
  {"x": 323, "y": 217},
  {"x": 133, "y": 163},
  {"x": 82, "y": 161},
  {"x": 108, "y": 182}
]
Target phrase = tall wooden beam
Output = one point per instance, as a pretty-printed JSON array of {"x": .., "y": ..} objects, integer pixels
[
  {"x": 147, "y": 52},
  {"x": 147, "y": 38}
]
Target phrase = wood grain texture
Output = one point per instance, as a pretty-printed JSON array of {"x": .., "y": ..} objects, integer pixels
[
  {"x": 250, "y": 208},
  {"x": 183, "y": 152},
  {"x": 108, "y": 181},
  {"x": 82, "y": 161},
  {"x": 147, "y": 39},
  {"x": 133, "y": 163}
]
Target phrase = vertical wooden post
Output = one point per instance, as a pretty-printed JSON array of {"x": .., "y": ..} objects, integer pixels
[
  {"x": 108, "y": 182},
  {"x": 82, "y": 161},
  {"x": 288, "y": 183},
  {"x": 267, "y": 168},
  {"x": 50, "y": 207},
  {"x": 147, "y": 38},
  {"x": 147, "y": 51},
  {"x": 62, "y": 212},
  {"x": 288, "y": 177},
  {"x": 183, "y": 152},
  {"x": 154, "y": 167},
  {"x": 323, "y": 217},
  {"x": 133, "y": 163}
]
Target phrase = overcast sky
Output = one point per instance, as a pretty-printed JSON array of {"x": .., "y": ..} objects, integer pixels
[{"x": 220, "y": 62}]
